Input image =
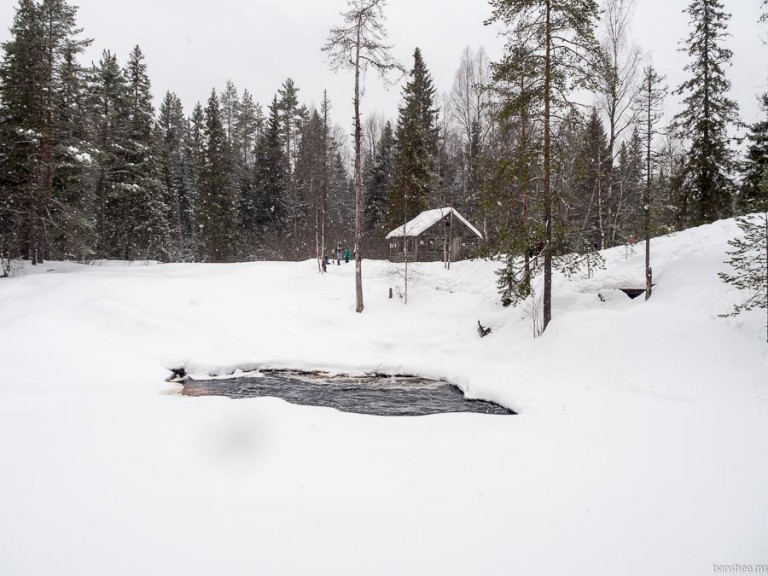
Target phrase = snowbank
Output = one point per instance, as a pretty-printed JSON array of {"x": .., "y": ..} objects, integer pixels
[{"x": 639, "y": 448}]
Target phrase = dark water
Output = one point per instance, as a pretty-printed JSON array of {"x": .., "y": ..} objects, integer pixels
[{"x": 377, "y": 395}]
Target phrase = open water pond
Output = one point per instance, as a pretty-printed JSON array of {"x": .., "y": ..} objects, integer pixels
[{"x": 378, "y": 395}]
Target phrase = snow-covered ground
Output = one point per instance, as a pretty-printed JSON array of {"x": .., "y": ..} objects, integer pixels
[{"x": 641, "y": 446}]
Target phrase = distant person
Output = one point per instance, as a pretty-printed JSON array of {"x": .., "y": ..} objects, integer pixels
[
  {"x": 347, "y": 256},
  {"x": 339, "y": 254}
]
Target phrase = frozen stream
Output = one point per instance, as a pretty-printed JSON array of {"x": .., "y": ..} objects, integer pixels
[{"x": 378, "y": 395}]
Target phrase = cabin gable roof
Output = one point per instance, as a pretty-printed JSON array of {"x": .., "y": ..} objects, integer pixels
[{"x": 426, "y": 220}]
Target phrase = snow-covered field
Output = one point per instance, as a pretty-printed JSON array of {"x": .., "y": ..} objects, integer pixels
[{"x": 641, "y": 446}]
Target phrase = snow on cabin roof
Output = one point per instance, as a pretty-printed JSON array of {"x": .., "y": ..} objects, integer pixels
[{"x": 426, "y": 220}]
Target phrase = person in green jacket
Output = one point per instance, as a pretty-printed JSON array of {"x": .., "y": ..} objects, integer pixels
[{"x": 347, "y": 256}]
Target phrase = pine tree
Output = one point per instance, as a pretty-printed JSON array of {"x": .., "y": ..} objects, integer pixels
[
  {"x": 217, "y": 200},
  {"x": 511, "y": 196},
  {"x": 707, "y": 115},
  {"x": 291, "y": 117},
  {"x": 559, "y": 35},
  {"x": 417, "y": 147},
  {"x": 246, "y": 130},
  {"x": 230, "y": 104}
]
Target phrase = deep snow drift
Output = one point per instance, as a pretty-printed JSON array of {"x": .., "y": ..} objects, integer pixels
[{"x": 640, "y": 445}]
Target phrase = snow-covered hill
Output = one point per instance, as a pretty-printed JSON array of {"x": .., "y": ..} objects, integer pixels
[{"x": 639, "y": 448}]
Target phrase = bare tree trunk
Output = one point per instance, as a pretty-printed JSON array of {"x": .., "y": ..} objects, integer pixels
[
  {"x": 600, "y": 201},
  {"x": 318, "y": 256},
  {"x": 449, "y": 236},
  {"x": 647, "y": 202},
  {"x": 405, "y": 260},
  {"x": 360, "y": 43},
  {"x": 765, "y": 238},
  {"x": 324, "y": 183},
  {"x": 525, "y": 189},
  {"x": 548, "y": 170},
  {"x": 358, "y": 183}
]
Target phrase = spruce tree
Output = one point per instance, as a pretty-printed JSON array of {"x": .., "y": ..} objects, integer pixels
[
  {"x": 271, "y": 177},
  {"x": 138, "y": 209},
  {"x": 593, "y": 172},
  {"x": 626, "y": 223},
  {"x": 108, "y": 103},
  {"x": 217, "y": 195},
  {"x": 341, "y": 196},
  {"x": 73, "y": 227},
  {"x": 172, "y": 135},
  {"x": 417, "y": 147},
  {"x": 755, "y": 164},
  {"x": 707, "y": 115},
  {"x": 309, "y": 180},
  {"x": 380, "y": 181},
  {"x": 194, "y": 153}
]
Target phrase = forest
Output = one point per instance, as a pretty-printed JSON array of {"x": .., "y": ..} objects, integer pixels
[{"x": 90, "y": 169}]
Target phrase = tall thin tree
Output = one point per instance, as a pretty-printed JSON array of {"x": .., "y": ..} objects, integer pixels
[
  {"x": 359, "y": 43},
  {"x": 650, "y": 109},
  {"x": 560, "y": 36}
]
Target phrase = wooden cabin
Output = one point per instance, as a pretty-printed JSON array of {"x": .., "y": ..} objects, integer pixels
[{"x": 432, "y": 236}]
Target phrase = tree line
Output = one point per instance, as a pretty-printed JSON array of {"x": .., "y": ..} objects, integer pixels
[{"x": 90, "y": 170}]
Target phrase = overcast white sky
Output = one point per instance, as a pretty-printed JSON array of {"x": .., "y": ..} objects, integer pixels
[{"x": 194, "y": 45}]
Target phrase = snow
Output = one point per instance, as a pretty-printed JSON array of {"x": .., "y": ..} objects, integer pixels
[
  {"x": 79, "y": 155},
  {"x": 426, "y": 220},
  {"x": 639, "y": 448}
]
